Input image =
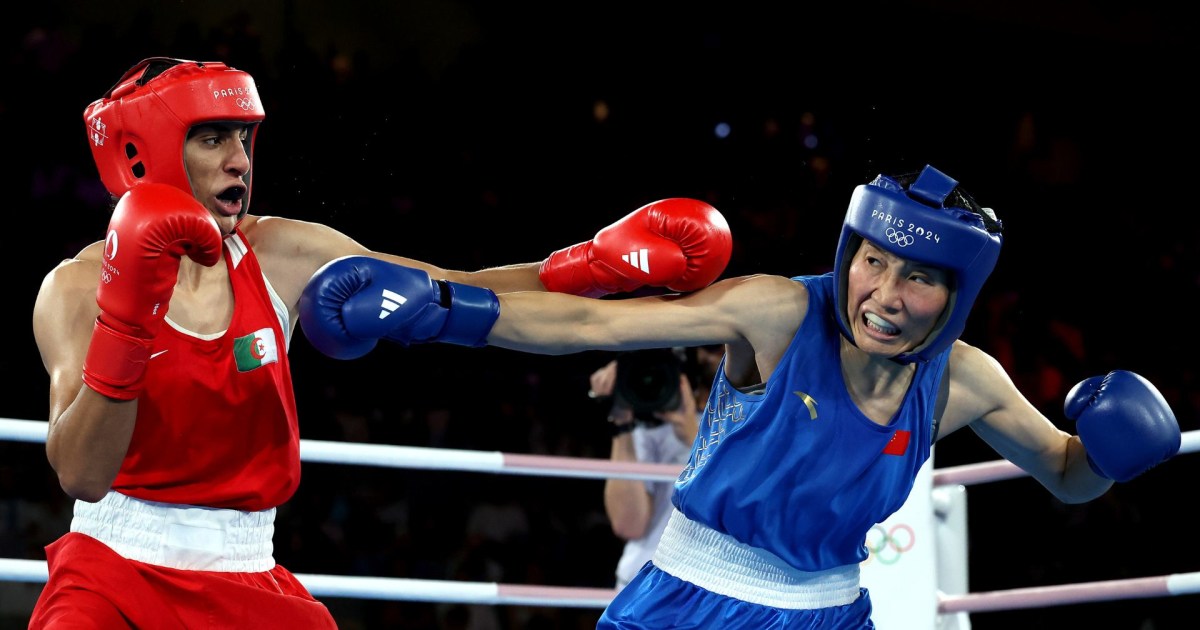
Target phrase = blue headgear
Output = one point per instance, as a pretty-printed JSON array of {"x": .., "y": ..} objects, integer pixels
[{"x": 916, "y": 224}]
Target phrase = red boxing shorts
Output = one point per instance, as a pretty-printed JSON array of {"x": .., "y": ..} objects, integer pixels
[{"x": 91, "y": 586}]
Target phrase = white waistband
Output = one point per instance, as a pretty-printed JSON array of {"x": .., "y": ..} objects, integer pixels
[
  {"x": 179, "y": 536},
  {"x": 718, "y": 563}
]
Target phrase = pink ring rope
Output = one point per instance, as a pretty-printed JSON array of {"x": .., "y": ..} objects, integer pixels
[{"x": 1043, "y": 596}]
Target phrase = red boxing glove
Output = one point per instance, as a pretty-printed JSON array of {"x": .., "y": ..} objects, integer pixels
[
  {"x": 152, "y": 227},
  {"x": 682, "y": 244}
]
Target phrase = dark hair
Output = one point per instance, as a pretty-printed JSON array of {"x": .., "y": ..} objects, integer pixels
[
  {"x": 157, "y": 67},
  {"x": 959, "y": 198},
  {"x": 149, "y": 68}
]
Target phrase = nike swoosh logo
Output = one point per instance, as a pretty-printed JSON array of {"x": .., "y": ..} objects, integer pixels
[{"x": 158, "y": 353}]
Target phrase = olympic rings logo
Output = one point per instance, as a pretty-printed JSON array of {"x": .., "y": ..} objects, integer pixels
[
  {"x": 897, "y": 237},
  {"x": 245, "y": 103},
  {"x": 888, "y": 545}
]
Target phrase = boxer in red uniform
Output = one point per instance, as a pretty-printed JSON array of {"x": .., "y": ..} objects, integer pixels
[{"x": 172, "y": 417}]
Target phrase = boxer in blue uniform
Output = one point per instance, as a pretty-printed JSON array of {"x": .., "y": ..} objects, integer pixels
[{"x": 831, "y": 392}]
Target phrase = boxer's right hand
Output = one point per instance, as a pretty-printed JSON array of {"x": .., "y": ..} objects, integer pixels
[
  {"x": 152, "y": 227},
  {"x": 679, "y": 243},
  {"x": 352, "y": 302}
]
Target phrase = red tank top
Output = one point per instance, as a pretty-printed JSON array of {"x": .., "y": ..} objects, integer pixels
[{"x": 216, "y": 422}]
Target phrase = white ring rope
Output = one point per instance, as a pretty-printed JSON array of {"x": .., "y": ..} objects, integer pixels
[
  {"x": 392, "y": 456},
  {"x": 395, "y": 589},
  {"x": 404, "y": 589}
]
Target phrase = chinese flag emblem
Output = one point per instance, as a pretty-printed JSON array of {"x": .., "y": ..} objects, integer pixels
[{"x": 898, "y": 445}]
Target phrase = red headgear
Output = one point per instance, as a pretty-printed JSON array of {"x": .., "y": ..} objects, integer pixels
[{"x": 138, "y": 128}]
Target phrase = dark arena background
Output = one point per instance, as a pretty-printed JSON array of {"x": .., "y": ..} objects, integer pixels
[{"x": 472, "y": 134}]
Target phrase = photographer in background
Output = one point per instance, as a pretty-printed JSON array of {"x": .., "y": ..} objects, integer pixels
[{"x": 654, "y": 417}]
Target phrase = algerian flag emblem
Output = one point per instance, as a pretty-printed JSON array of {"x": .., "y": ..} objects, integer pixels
[{"x": 255, "y": 350}]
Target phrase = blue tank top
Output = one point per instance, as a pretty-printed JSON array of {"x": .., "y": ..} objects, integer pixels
[{"x": 796, "y": 468}]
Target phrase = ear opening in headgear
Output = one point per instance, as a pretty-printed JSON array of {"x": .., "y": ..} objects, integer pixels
[{"x": 928, "y": 218}]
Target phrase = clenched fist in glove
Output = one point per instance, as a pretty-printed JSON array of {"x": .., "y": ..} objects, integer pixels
[
  {"x": 1124, "y": 423},
  {"x": 682, "y": 244},
  {"x": 152, "y": 227},
  {"x": 351, "y": 303}
]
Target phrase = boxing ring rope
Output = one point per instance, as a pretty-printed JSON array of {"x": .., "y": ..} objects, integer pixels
[
  {"x": 392, "y": 456},
  {"x": 396, "y": 589},
  {"x": 1043, "y": 596}
]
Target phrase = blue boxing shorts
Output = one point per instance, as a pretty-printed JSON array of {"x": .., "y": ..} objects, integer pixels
[{"x": 701, "y": 578}]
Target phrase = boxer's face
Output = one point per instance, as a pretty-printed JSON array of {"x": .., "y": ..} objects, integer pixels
[
  {"x": 215, "y": 156},
  {"x": 893, "y": 303}
]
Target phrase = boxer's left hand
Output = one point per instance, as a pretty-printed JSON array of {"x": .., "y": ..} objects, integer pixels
[
  {"x": 350, "y": 303},
  {"x": 1124, "y": 423}
]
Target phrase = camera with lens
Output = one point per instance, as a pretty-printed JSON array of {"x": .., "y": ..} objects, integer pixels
[{"x": 648, "y": 381}]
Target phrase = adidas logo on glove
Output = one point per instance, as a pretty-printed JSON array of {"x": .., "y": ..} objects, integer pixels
[
  {"x": 391, "y": 302},
  {"x": 638, "y": 258}
]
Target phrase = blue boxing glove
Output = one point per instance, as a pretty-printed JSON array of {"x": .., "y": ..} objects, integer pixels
[
  {"x": 1124, "y": 423},
  {"x": 352, "y": 302}
]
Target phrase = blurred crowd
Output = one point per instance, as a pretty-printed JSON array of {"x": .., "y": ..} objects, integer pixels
[{"x": 479, "y": 161}]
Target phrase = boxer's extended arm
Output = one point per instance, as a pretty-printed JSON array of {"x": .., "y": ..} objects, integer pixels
[
  {"x": 683, "y": 244},
  {"x": 350, "y": 304},
  {"x": 756, "y": 313},
  {"x": 291, "y": 251},
  {"x": 984, "y": 397},
  {"x": 1125, "y": 423}
]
